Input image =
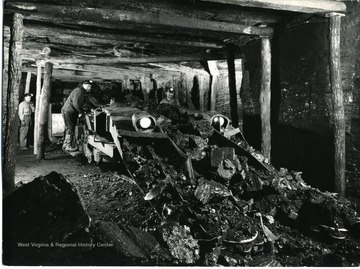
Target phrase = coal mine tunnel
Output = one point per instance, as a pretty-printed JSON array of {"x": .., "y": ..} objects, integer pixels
[{"x": 181, "y": 133}]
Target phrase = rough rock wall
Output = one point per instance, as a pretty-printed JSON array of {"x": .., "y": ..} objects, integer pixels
[
  {"x": 350, "y": 66},
  {"x": 301, "y": 96},
  {"x": 304, "y": 69},
  {"x": 305, "y": 103},
  {"x": 250, "y": 88},
  {"x": 184, "y": 84},
  {"x": 190, "y": 87},
  {"x": 223, "y": 95}
]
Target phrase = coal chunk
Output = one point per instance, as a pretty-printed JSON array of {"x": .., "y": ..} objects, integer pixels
[
  {"x": 39, "y": 217},
  {"x": 219, "y": 154},
  {"x": 208, "y": 191},
  {"x": 182, "y": 245},
  {"x": 131, "y": 245}
]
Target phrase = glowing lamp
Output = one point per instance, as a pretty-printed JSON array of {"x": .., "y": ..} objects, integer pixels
[{"x": 145, "y": 123}]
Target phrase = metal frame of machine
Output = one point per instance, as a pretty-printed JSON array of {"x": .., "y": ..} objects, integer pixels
[{"x": 107, "y": 125}]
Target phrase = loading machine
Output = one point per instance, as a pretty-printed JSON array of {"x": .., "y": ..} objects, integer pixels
[{"x": 107, "y": 126}]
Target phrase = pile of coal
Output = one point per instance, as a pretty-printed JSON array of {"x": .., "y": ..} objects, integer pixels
[
  {"x": 40, "y": 218},
  {"x": 238, "y": 213},
  {"x": 215, "y": 203},
  {"x": 45, "y": 224}
]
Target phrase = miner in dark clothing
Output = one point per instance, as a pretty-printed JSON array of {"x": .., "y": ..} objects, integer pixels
[{"x": 74, "y": 107}]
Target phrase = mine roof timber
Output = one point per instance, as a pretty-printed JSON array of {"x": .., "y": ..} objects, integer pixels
[
  {"x": 303, "y": 6},
  {"x": 118, "y": 19},
  {"x": 70, "y": 72},
  {"x": 128, "y": 60},
  {"x": 39, "y": 30}
]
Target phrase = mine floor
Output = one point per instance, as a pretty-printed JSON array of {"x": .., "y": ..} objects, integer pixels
[{"x": 28, "y": 168}]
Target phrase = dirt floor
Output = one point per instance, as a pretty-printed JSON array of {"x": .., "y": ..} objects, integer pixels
[
  {"x": 28, "y": 168},
  {"x": 76, "y": 169}
]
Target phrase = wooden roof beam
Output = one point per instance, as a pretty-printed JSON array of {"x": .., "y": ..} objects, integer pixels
[
  {"x": 178, "y": 67},
  {"x": 105, "y": 70},
  {"x": 303, "y": 6},
  {"x": 32, "y": 28},
  {"x": 73, "y": 75},
  {"x": 115, "y": 19},
  {"x": 31, "y": 55},
  {"x": 77, "y": 75}
]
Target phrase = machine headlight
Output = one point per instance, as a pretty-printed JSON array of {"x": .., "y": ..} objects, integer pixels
[
  {"x": 145, "y": 123},
  {"x": 219, "y": 120}
]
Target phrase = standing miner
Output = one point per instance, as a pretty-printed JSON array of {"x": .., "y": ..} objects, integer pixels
[
  {"x": 170, "y": 97},
  {"x": 26, "y": 110},
  {"x": 76, "y": 104}
]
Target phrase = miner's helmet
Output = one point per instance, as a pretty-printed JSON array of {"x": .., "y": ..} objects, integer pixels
[
  {"x": 89, "y": 82},
  {"x": 170, "y": 89},
  {"x": 28, "y": 94}
]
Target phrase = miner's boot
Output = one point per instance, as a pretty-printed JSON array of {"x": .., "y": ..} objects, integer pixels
[{"x": 67, "y": 143}]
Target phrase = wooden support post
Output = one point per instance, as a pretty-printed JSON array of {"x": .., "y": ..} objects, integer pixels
[
  {"x": 201, "y": 93},
  {"x": 337, "y": 103},
  {"x": 4, "y": 103},
  {"x": 186, "y": 85},
  {"x": 44, "y": 108},
  {"x": 232, "y": 87},
  {"x": 12, "y": 119},
  {"x": 28, "y": 80},
  {"x": 154, "y": 86},
  {"x": 265, "y": 97},
  {"x": 144, "y": 88},
  {"x": 126, "y": 82},
  {"x": 175, "y": 84},
  {"x": 37, "y": 108},
  {"x": 239, "y": 76},
  {"x": 214, "y": 73},
  {"x": 7, "y": 185}
]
